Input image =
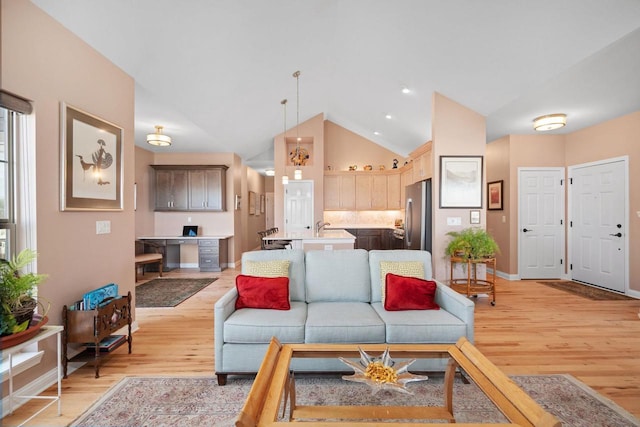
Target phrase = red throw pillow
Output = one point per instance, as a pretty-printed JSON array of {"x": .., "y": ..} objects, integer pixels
[
  {"x": 409, "y": 293},
  {"x": 262, "y": 292}
]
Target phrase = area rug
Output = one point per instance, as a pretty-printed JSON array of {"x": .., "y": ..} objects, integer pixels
[
  {"x": 586, "y": 291},
  {"x": 199, "y": 401},
  {"x": 168, "y": 292}
]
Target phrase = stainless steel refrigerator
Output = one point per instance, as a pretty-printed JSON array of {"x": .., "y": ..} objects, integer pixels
[{"x": 418, "y": 216}]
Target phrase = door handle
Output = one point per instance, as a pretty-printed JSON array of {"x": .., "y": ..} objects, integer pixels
[
  {"x": 616, "y": 235},
  {"x": 524, "y": 230}
]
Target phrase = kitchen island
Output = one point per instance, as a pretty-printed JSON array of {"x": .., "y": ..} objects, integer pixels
[{"x": 308, "y": 240}]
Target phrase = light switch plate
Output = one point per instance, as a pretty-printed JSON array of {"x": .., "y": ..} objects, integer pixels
[
  {"x": 454, "y": 220},
  {"x": 103, "y": 227}
]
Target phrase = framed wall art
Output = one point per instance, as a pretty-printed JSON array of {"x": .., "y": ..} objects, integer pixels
[
  {"x": 461, "y": 181},
  {"x": 494, "y": 195},
  {"x": 252, "y": 203},
  {"x": 91, "y": 156},
  {"x": 262, "y": 203}
]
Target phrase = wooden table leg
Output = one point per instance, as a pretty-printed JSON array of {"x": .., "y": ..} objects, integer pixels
[{"x": 449, "y": 377}]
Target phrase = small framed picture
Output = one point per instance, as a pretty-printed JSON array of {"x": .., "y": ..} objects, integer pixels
[
  {"x": 474, "y": 217},
  {"x": 494, "y": 195},
  {"x": 238, "y": 201}
]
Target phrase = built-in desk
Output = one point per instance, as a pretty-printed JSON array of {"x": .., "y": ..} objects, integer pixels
[{"x": 212, "y": 250}]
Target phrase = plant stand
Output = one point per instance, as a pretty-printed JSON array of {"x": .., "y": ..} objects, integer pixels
[{"x": 471, "y": 285}]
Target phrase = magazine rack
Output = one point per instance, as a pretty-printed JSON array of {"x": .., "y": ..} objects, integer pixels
[{"x": 94, "y": 328}]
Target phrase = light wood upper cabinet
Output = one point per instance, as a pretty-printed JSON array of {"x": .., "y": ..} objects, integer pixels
[
  {"x": 339, "y": 192},
  {"x": 362, "y": 190},
  {"x": 422, "y": 162},
  {"x": 394, "y": 191}
]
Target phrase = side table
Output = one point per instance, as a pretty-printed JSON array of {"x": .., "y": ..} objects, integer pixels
[
  {"x": 471, "y": 285},
  {"x": 13, "y": 352}
]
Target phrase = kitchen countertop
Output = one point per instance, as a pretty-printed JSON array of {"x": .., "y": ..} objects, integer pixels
[
  {"x": 324, "y": 235},
  {"x": 358, "y": 226},
  {"x": 215, "y": 236}
]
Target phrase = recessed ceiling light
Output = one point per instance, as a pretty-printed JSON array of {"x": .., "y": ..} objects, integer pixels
[
  {"x": 405, "y": 89},
  {"x": 376, "y": 133},
  {"x": 387, "y": 116}
]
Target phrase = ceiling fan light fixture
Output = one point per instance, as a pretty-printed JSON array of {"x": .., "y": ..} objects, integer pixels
[
  {"x": 158, "y": 139},
  {"x": 549, "y": 122}
]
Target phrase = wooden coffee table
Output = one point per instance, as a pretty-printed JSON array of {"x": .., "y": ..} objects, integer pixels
[{"x": 274, "y": 385}]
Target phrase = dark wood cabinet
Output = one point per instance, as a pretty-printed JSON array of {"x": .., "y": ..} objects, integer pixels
[
  {"x": 371, "y": 238},
  {"x": 90, "y": 327},
  {"x": 171, "y": 190},
  {"x": 190, "y": 187}
]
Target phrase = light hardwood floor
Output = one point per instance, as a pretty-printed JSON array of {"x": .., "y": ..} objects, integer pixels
[{"x": 532, "y": 329}]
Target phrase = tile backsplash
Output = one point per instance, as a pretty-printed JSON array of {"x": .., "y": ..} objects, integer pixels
[{"x": 362, "y": 219}]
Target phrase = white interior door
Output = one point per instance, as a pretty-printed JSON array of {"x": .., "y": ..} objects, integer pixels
[
  {"x": 541, "y": 223},
  {"x": 598, "y": 195},
  {"x": 298, "y": 206}
]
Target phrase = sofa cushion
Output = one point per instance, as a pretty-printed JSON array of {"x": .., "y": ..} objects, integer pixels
[
  {"x": 343, "y": 322},
  {"x": 262, "y": 292},
  {"x": 272, "y": 268},
  {"x": 420, "y": 326},
  {"x": 400, "y": 268},
  {"x": 409, "y": 293},
  {"x": 394, "y": 255},
  {"x": 296, "y": 268},
  {"x": 340, "y": 275},
  {"x": 255, "y": 325}
]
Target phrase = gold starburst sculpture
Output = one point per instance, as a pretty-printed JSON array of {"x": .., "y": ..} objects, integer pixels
[{"x": 381, "y": 373}]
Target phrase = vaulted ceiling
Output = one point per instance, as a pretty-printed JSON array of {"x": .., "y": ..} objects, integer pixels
[{"x": 213, "y": 72}]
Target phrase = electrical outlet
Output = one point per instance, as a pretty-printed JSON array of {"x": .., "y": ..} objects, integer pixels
[
  {"x": 454, "y": 220},
  {"x": 328, "y": 247}
]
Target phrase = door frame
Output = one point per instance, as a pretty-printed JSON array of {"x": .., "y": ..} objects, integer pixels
[
  {"x": 570, "y": 169},
  {"x": 563, "y": 213}
]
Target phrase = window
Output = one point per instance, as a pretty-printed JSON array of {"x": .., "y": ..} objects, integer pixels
[{"x": 7, "y": 190}]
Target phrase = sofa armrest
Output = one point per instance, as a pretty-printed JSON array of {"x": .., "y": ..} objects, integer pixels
[
  {"x": 458, "y": 305},
  {"x": 223, "y": 308}
]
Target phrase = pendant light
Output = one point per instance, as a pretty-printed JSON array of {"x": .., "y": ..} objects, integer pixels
[
  {"x": 158, "y": 139},
  {"x": 297, "y": 174},
  {"x": 285, "y": 177}
]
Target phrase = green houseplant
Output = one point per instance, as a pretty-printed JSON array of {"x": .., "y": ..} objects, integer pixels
[
  {"x": 473, "y": 243},
  {"x": 17, "y": 302}
]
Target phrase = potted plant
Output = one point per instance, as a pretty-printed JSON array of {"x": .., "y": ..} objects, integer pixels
[
  {"x": 474, "y": 243},
  {"x": 17, "y": 303}
]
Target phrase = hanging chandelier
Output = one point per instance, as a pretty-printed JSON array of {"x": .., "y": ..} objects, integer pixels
[{"x": 300, "y": 155}]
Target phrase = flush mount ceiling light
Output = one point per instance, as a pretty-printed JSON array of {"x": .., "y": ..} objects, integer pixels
[
  {"x": 270, "y": 172},
  {"x": 158, "y": 139},
  {"x": 405, "y": 89},
  {"x": 549, "y": 122}
]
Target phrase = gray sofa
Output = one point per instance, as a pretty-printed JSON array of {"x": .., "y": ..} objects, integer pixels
[{"x": 335, "y": 298}]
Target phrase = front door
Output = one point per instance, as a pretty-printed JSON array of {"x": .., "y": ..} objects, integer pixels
[
  {"x": 598, "y": 195},
  {"x": 298, "y": 206},
  {"x": 541, "y": 223}
]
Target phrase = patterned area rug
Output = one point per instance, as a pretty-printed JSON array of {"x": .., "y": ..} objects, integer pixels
[
  {"x": 586, "y": 291},
  {"x": 168, "y": 292},
  {"x": 199, "y": 401}
]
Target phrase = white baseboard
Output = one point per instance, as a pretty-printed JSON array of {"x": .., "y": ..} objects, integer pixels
[{"x": 49, "y": 378}]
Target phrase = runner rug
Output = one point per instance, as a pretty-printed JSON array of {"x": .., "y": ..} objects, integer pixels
[
  {"x": 199, "y": 401},
  {"x": 168, "y": 292},
  {"x": 586, "y": 291}
]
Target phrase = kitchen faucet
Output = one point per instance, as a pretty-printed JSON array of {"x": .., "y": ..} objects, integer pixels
[{"x": 320, "y": 225}]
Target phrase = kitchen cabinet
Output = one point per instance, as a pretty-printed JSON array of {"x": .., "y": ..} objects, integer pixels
[
  {"x": 171, "y": 190},
  {"x": 190, "y": 187},
  {"x": 369, "y": 238},
  {"x": 371, "y": 192},
  {"x": 339, "y": 192},
  {"x": 394, "y": 191},
  {"x": 422, "y": 162},
  {"x": 206, "y": 189}
]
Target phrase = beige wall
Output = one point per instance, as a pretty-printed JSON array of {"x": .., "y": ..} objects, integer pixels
[
  {"x": 497, "y": 168},
  {"x": 615, "y": 138},
  {"x": 343, "y": 148},
  {"x": 44, "y": 62},
  {"x": 456, "y": 130}
]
